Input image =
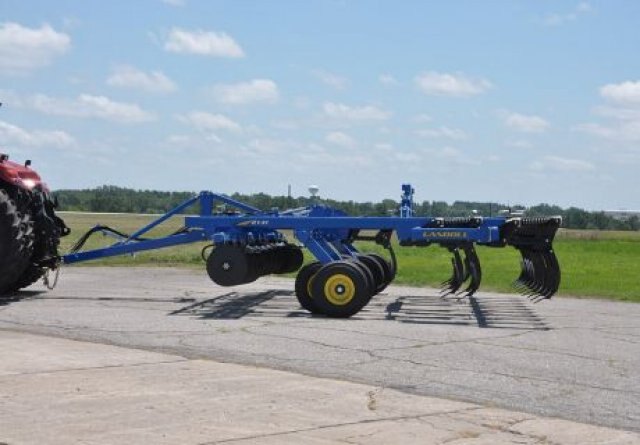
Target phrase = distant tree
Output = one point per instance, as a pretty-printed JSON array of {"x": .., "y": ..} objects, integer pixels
[
  {"x": 544, "y": 210},
  {"x": 576, "y": 218},
  {"x": 110, "y": 198}
]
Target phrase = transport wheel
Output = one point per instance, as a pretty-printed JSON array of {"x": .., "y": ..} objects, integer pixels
[
  {"x": 386, "y": 267},
  {"x": 304, "y": 280},
  {"x": 355, "y": 260},
  {"x": 230, "y": 266},
  {"x": 371, "y": 283},
  {"x": 340, "y": 289},
  {"x": 377, "y": 271},
  {"x": 16, "y": 243}
]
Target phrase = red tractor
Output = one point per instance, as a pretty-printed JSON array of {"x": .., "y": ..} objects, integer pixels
[{"x": 30, "y": 231}]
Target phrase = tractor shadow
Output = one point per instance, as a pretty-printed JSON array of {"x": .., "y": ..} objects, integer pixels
[
  {"x": 495, "y": 311},
  {"x": 6, "y": 300}
]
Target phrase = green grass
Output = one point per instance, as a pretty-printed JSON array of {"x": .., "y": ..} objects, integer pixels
[
  {"x": 594, "y": 263},
  {"x": 185, "y": 256}
]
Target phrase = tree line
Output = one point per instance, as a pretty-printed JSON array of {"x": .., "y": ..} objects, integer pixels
[{"x": 123, "y": 200}]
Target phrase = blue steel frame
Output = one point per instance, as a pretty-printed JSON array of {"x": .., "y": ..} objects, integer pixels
[{"x": 324, "y": 231}]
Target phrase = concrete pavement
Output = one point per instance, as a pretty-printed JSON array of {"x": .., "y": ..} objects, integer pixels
[
  {"x": 566, "y": 358},
  {"x": 57, "y": 391}
]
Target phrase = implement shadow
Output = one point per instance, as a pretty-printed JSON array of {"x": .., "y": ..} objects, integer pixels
[
  {"x": 506, "y": 311},
  {"x": 235, "y": 305},
  {"x": 495, "y": 311}
]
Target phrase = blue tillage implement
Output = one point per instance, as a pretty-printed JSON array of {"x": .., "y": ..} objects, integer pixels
[{"x": 246, "y": 243}]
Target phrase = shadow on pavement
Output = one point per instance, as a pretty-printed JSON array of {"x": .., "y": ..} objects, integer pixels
[
  {"x": 234, "y": 305},
  {"x": 485, "y": 311},
  {"x": 6, "y": 300},
  {"x": 496, "y": 311}
]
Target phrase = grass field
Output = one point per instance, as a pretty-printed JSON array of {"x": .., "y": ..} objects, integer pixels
[{"x": 594, "y": 263}]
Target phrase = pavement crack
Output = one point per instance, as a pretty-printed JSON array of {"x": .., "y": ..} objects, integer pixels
[
  {"x": 339, "y": 425},
  {"x": 305, "y": 340},
  {"x": 92, "y": 368},
  {"x": 488, "y": 342},
  {"x": 506, "y": 374}
]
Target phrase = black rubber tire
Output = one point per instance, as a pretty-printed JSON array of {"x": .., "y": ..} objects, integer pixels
[
  {"x": 16, "y": 243},
  {"x": 387, "y": 269},
  {"x": 371, "y": 284},
  {"x": 30, "y": 276},
  {"x": 304, "y": 280},
  {"x": 340, "y": 289},
  {"x": 376, "y": 271},
  {"x": 371, "y": 281},
  {"x": 32, "y": 273}
]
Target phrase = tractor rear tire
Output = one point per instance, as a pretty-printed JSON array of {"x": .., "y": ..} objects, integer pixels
[
  {"x": 16, "y": 243},
  {"x": 30, "y": 276}
]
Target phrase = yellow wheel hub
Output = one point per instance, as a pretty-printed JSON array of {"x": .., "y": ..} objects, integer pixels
[{"x": 339, "y": 289}]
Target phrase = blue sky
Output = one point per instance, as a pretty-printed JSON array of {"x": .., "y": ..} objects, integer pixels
[{"x": 508, "y": 101}]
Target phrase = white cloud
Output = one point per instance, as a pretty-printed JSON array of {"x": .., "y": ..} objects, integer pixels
[
  {"x": 363, "y": 113},
  {"x": 387, "y": 79},
  {"x": 624, "y": 131},
  {"x": 451, "y": 154},
  {"x": 176, "y": 3},
  {"x": 558, "y": 19},
  {"x": 562, "y": 164},
  {"x": 25, "y": 49},
  {"x": 519, "y": 143},
  {"x": 623, "y": 116},
  {"x": 422, "y": 118},
  {"x": 442, "y": 132},
  {"x": 12, "y": 134},
  {"x": 204, "y": 43},
  {"x": 340, "y": 139},
  {"x": 130, "y": 77},
  {"x": 256, "y": 90},
  {"x": 331, "y": 79},
  {"x": 178, "y": 139},
  {"x": 208, "y": 121},
  {"x": 625, "y": 92},
  {"x": 314, "y": 154},
  {"x": 84, "y": 106},
  {"x": 526, "y": 123},
  {"x": 584, "y": 7},
  {"x": 383, "y": 146},
  {"x": 407, "y": 157},
  {"x": 285, "y": 124},
  {"x": 270, "y": 147},
  {"x": 445, "y": 84},
  {"x": 104, "y": 108}
]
